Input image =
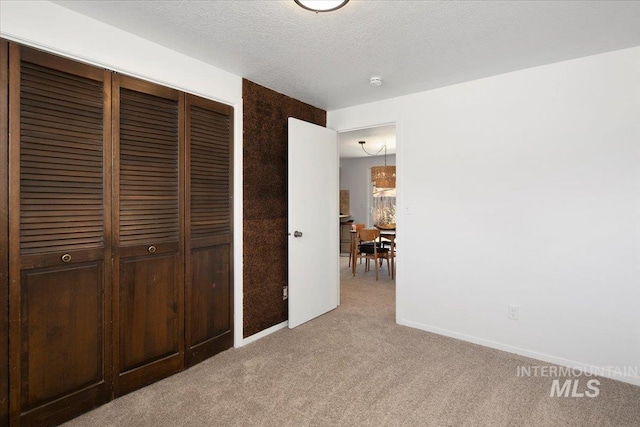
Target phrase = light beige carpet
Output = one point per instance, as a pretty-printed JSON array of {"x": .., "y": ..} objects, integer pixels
[{"x": 356, "y": 367}]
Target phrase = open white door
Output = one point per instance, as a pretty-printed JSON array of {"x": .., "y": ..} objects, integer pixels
[{"x": 314, "y": 253}]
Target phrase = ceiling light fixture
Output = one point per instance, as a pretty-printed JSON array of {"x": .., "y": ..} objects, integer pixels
[
  {"x": 321, "y": 5},
  {"x": 381, "y": 176},
  {"x": 375, "y": 81}
]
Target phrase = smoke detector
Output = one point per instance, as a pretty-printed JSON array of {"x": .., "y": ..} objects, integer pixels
[{"x": 375, "y": 81}]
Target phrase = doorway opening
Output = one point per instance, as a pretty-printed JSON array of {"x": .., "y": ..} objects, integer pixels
[{"x": 367, "y": 203}]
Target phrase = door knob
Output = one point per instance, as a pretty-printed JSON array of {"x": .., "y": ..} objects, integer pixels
[{"x": 297, "y": 233}]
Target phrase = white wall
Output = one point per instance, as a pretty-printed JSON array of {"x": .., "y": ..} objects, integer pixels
[
  {"x": 355, "y": 176},
  {"x": 526, "y": 190},
  {"x": 50, "y": 27}
]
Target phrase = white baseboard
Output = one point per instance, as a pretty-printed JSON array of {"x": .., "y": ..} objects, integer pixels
[
  {"x": 264, "y": 333},
  {"x": 609, "y": 373}
]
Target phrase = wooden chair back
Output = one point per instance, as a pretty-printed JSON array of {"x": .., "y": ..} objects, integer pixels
[{"x": 369, "y": 234}]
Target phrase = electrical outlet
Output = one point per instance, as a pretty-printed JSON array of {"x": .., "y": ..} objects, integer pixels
[
  {"x": 513, "y": 312},
  {"x": 285, "y": 293}
]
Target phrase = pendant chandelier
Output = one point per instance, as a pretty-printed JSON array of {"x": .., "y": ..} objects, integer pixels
[
  {"x": 384, "y": 176},
  {"x": 381, "y": 176}
]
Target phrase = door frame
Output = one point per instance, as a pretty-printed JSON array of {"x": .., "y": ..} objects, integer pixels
[{"x": 4, "y": 230}]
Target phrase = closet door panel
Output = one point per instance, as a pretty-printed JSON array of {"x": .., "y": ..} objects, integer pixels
[
  {"x": 62, "y": 316},
  {"x": 209, "y": 231},
  {"x": 148, "y": 212},
  {"x": 210, "y": 310},
  {"x": 144, "y": 340},
  {"x": 60, "y": 270}
]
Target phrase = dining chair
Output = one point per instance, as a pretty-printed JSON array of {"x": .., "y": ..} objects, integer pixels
[
  {"x": 388, "y": 239},
  {"x": 368, "y": 246},
  {"x": 354, "y": 230}
]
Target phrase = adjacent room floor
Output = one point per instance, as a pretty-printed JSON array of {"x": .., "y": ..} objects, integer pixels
[{"x": 356, "y": 367}]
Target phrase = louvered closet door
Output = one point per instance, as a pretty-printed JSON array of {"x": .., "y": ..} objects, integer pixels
[
  {"x": 148, "y": 229},
  {"x": 209, "y": 313},
  {"x": 59, "y": 237}
]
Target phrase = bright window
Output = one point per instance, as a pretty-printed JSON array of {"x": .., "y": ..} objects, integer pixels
[{"x": 384, "y": 206}]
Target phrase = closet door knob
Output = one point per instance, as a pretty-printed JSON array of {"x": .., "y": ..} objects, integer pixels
[{"x": 152, "y": 249}]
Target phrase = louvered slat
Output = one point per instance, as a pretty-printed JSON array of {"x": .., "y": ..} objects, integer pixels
[
  {"x": 61, "y": 164},
  {"x": 149, "y": 196},
  {"x": 210, "y": 170}
]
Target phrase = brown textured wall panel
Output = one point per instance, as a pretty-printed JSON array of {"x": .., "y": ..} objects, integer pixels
[{"x": 265, "y": 201}]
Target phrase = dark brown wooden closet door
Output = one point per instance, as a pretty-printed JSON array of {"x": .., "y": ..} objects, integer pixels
[
  {"x": 148, "y": 248},
  {"x": 209, "y": 231},
  {"x": 59, "y": 237},
  {"x": 4, "y": 232}
]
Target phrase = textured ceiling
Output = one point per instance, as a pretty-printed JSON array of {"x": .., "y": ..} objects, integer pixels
[{"x": 327, "y": 59}]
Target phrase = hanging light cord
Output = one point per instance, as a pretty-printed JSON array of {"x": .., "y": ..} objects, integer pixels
[{"x": 384, "y": 147}]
